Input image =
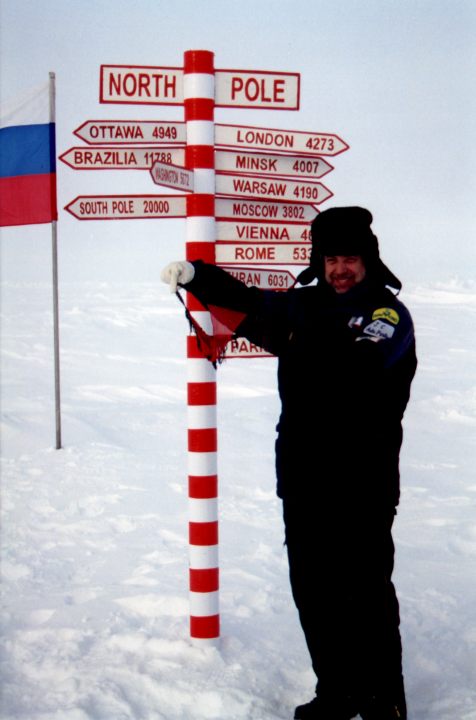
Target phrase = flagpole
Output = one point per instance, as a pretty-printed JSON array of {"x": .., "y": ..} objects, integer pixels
[
  {"x": 54, "y": 251},
  {"x": 199, "y": 104}
]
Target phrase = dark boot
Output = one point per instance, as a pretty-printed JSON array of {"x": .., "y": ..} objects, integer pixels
[{"x": 325, "y": 709}]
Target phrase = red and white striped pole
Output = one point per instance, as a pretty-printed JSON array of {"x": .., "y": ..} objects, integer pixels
[{"x": 199, "y": 103}]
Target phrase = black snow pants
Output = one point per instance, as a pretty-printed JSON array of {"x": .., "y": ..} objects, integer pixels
[{"x": 341, "y": 563}]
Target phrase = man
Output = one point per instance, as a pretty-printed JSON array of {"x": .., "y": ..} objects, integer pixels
[{"x": 346, "y": 355}]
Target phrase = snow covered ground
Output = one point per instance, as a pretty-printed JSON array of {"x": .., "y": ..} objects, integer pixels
[{"x": 94, "y": 536}]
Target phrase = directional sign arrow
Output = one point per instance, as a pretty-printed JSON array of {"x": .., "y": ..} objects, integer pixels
[
  {"x": 245, "y": 350},
  {"x": 261, "y": 278},
  {"x": 231, "y": 231},
  {"x": 123, "y": 158},
  {"x": 173, "y": 176},
  {"x": 276, "y": 189},
  {"x": 270, "y": 139},
  {"x": 262, "y": 254},
  {"x": 127, "y": 207},
  {"x": 123, "y": 132},
  {"x": 259, "y": 211},
  {"x": 298, "y": 166}
]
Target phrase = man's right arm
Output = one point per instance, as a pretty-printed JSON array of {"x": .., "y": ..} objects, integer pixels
[
  {"x": 264, "y": 311},
  {"x": 209, "y": 284},
  {"x": 214, "y": 286}
]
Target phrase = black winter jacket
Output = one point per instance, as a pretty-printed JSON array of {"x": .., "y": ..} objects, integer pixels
[{"x": 345, "y": 366}]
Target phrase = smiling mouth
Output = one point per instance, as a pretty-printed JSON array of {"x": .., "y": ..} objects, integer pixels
[
  {"x": 342, "y": 284},
  {"x": 343, "y": 280}
]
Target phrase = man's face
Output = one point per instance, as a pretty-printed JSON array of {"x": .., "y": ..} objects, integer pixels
[{"x": 342, "y": 272}]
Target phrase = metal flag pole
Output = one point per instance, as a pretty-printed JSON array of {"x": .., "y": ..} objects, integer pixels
[{"x": 54, "y": 251}]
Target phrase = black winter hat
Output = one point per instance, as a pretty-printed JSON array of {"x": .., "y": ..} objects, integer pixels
[{"x": 346, "y": 231}]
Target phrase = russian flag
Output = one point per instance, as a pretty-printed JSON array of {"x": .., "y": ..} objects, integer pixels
[{"x": 28, "y": 160}]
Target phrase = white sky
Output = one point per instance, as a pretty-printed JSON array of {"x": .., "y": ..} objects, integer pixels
[{"x": 395, "y": 79}]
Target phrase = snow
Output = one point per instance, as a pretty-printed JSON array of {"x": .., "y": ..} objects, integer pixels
[{"x": 94, "y": 536}]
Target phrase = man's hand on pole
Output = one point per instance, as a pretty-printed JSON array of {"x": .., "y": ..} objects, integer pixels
[{"x": 177, "y": 273}]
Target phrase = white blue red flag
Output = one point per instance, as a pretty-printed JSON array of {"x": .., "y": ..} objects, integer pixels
[{"x": 27, "y": 160}]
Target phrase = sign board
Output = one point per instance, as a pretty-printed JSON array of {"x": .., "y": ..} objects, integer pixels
[
  {"x": 120, "y": 158},
  {"x": 135, "y": 85},
  {"x": 172, "y": 176},
  {"x": 150, "y": 85},
  {"x": 264, "y": 211},
  {"x": 270, "y": 140},
  {"x": 257, "y": 88},
  {"x": 243, "y": 348},
  {"x": 280, "y": 188},
  {"x": 231, "y": 231},
  {"x": 127, "y": 207},
  {"x": 123, "y": 132},
  {"x": 299, "y": 166},
  {"x": 262, "y": 278},
  {"x": 227, "y": 253}
]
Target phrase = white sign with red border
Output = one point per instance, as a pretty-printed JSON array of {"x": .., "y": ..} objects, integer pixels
[
  {"x": 264, "y": 211},
  {"x": 271, "y": 139},
  {"x": 136, "y": 85},
  {"x": 120, "y": 158},
  {"x": 227, "y": 253},
  {"x": 245, "y": 350},
  {"x": 123, "y": 132},
  {"x": 299, "y": 166},
  {"x": 172, "y": 176},
  {"x": 262, "y": 89},
  {"x": 263, "y": 278},
  {"x": 279, "y": 188},
  {"x": 232, "y": 231},
  {"x": 127, "y": 207}
]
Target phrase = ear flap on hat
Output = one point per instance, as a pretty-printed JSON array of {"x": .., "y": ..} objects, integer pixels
[
  {"x": 388, "y": 278},
  {"x": 307, "y": 276}
]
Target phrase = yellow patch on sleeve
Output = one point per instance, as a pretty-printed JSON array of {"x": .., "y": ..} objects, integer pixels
[{"x": 388, "y": 314}]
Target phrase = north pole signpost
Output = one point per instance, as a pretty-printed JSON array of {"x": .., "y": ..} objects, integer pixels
[
  {"x": 168, "y": 86},
  {"x": 247, "y": 194}
]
